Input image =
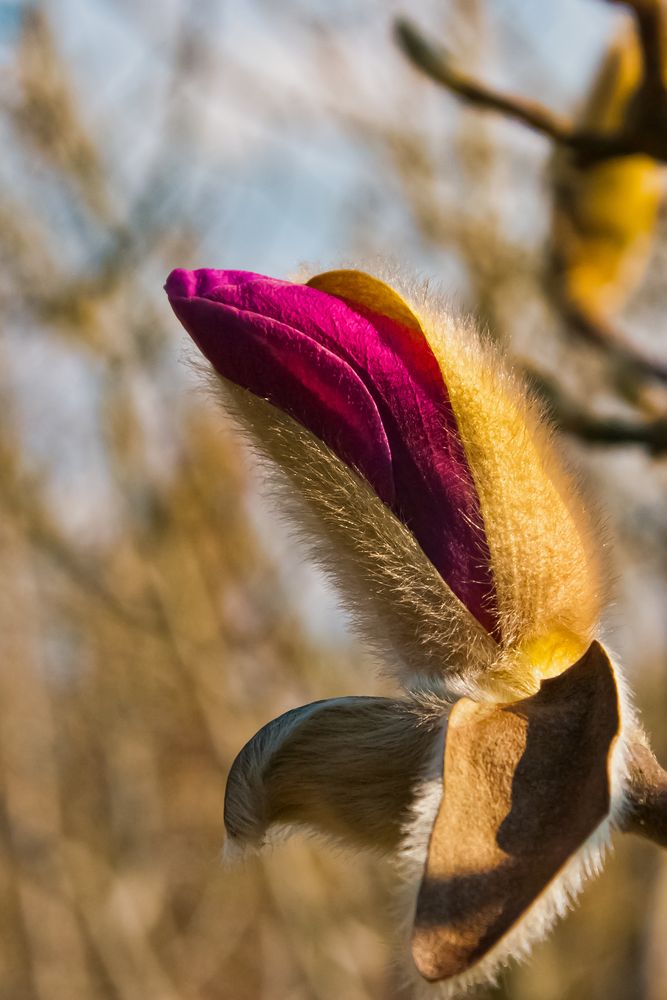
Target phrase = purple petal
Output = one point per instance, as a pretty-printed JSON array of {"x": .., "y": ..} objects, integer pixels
[
  {"x": 367, "y": 386},
  {"x": 295, "y": 373}
]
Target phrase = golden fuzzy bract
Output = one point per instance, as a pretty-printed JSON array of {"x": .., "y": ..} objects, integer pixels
[
  {"x": 543, "y": 554},
  {"x": 540, "y": 537}
]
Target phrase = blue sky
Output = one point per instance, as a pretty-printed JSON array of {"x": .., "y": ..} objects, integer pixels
[{"x": 271, "y": 179}]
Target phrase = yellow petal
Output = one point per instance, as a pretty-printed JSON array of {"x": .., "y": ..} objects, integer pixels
[{"x": 365, "y": 290}]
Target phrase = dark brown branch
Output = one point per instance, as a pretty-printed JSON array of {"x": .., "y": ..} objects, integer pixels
[
  {"x": 604, "y": 334},
  {"x": 609, "y": 431},
  {"x": 651, "y": 435},
  {"x": 646, "y": 134},
  {"x": 434, "y": 61},
  {"x": 647, "y": 795},
  {"x": 650, "y": 20}
]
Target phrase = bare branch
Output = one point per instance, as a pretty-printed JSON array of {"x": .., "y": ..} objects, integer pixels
[
  {"x": 646, "y": 134},
  {"x": 610, "y": 431},
  {"x": 604, "y": 334},
  {"x": 434, "y": 61},
  {"x": 650, "y": 20}
]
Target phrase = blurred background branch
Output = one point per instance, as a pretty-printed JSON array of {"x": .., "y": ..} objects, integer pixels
[{"x": 644, "y": 133}]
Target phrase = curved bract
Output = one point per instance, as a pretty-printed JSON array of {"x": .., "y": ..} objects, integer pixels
[
  {"x": 526, "y": 785},
  {"x": 426, "y": 482}
]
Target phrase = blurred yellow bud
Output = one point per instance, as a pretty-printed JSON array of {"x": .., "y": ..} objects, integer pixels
[{"x": 606, "y": 211}]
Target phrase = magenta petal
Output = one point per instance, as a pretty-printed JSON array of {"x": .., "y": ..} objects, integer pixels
[
  {"x": 368, "y": 387},
  {"x": 297, "y": 375}
]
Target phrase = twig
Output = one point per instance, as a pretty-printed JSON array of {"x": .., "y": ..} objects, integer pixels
[
  {"x": 434, "y": 61},
  {"x": 651, "y": 435},
  {"x": 646, "y": 134},
  {"x": 650, "y": 19},
  {"x": 604, "y": 334},
  {"x": 610, "y": 431}
]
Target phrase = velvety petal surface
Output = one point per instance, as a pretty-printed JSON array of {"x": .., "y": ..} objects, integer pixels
[{"x": 368, "y": 385}]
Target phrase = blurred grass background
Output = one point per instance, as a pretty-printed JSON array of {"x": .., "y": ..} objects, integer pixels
[{"x": 152, "y": 613}]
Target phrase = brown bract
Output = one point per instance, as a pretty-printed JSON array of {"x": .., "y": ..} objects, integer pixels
[{"x": 526, "y": 784}]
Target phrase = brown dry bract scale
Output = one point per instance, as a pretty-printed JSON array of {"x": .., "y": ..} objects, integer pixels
[{"x": 509, "y": 820}]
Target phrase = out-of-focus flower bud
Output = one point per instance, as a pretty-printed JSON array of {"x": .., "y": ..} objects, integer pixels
[{"x": 605, "y": 211}]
